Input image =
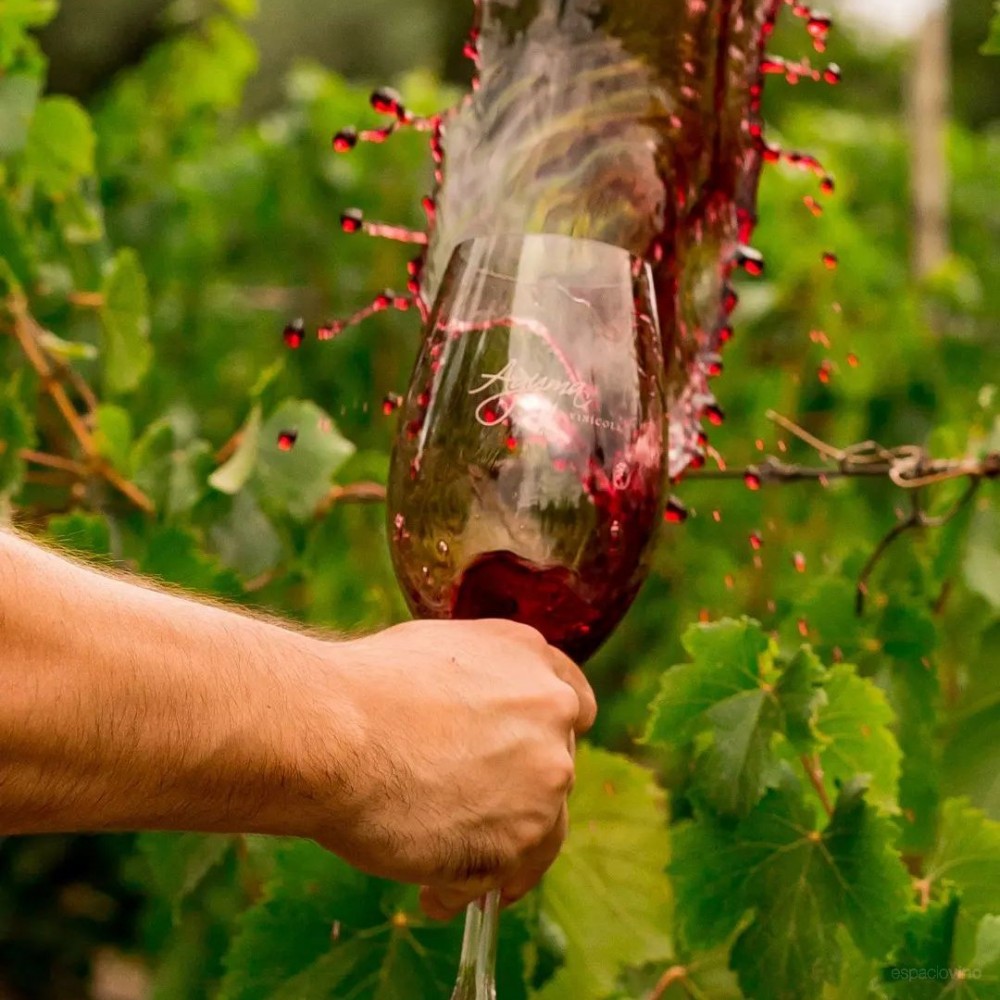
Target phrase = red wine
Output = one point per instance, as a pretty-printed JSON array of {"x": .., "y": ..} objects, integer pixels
[
  {"x": 529, "y": 468},
  {"x": 574, "y": 613}
]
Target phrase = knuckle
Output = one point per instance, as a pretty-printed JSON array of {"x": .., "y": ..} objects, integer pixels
[
  {"x": 531, "y": 835},
  {"x": 567, "y": 703}
]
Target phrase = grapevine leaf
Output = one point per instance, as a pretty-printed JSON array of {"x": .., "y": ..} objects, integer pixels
[
  {"x": 734, "y": 772},
  {"x": 176, "y": 556},
  {"x": 125, "y": 315},
  {"x": 855, "y": 736},
  {"x": 323, "y": 929},
  {"x": 173, "y": 478},
  {"x": 178, "y": 863},
  {"x": 81, "y": 532},
  {"x": 60, "y": 145},
  {"x": 801, "y": 697},
  {"x": 927, "y": 943},
  {"x": 725, "y": 663},
  {"x": 606, "y": 891},
  {"x": 872, "y": 884},
  {"x": 801, "y": 883},
  {"x": 967, "y": 856},
  {"x": 986, "y": 957},
  {"x": 971, "y": 758},
  {"x": 113, "y": 435},
  {"x": 18, "y": 96},
  {"x": 729, "y": 688},
  {"x": 16, "y": 256},
  {"x": 66, "y": 350},
  {"x": 298, "y": 479},
  {"x": 16, "y": 433},
  {"x": 246, "y": 540},
  {"x": 80, "y": 220},
  {"x": 909, "y": 634},
  {"x": 233, "y": 475},
  {"x": 983, "y": 555}
]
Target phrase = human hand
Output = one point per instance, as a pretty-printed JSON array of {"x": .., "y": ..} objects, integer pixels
[{"x": 463, "y": 751}]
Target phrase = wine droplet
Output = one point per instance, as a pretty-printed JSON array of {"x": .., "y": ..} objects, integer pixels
[
  {"x": 676, "y": 512},
  {"x": 387, "y": 101},
  {"x": 750, "y": 259},
  {"x": 831, "y": 260},
  {"x": 756, "y": 541},
  {"x": 752, "y": 479},
  {"x": 345, "y": 140},
  {"x": 799, "y": 562},
  {"x": 294, "y": 334},
  {"x": 351, "y": 220},
  {"x": 813, "y": 205},
  {"x": 392, "y": 402},
  {"x": 287, "y": 439}
]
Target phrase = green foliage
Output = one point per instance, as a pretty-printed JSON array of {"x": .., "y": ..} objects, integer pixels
[
  {"x": 125, "y": 315},
  {"x": 322, "y": 929},
  {"x": 606, "y": 893},
  {"x": 992, "y": 44},
  {"x": 160, "y": 241}
]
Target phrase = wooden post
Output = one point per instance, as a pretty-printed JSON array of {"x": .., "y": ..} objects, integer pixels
[{"x": 929, "y": 105}]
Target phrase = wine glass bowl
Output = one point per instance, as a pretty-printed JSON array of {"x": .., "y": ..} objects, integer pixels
[{"x": 529, "y": 468}]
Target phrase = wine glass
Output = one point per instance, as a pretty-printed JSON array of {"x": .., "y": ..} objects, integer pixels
[{"x": 529, "y": 469}]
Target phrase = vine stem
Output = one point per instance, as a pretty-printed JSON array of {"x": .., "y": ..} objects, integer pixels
[
  {"x": 810, "y": 764},
  {"x": 675, "y": 974},
  {"x": 26, "y": 332},
  {"x": 361, "y": 492}
]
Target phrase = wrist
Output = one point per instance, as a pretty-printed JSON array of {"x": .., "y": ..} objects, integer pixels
[{"x": 308, "y": 741}]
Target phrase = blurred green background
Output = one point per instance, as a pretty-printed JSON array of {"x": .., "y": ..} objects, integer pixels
[{"x": 213, "y": 162}]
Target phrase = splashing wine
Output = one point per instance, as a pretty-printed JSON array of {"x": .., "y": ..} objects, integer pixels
[{"x": 617, "y": 124}]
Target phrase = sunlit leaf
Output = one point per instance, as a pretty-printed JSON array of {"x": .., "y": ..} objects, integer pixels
[
  {"x": 232, "y": 476},
  {"x": 125, "y": 314},
  {"x": 854, "y": 728},
  {"x": 607, "y": 891},
  {"x": 113, "y": 435},
  {"x": 297, "y": 478},
  {"x": 60, "y": 145},
  {"x": 18, "y": 94},
  {"x": 967, "y": 857}
]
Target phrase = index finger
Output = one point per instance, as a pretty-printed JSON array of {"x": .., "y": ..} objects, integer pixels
[{"x": 568, "y": 672}]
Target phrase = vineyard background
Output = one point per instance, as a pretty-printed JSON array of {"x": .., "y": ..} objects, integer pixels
[{"x": 156, "y": 241}]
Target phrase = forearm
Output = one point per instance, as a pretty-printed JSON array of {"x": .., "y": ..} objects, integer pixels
[{"x": 123, "y": 707}]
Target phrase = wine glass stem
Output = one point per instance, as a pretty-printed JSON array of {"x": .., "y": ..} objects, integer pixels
[{"x": 477, "y": 966}]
